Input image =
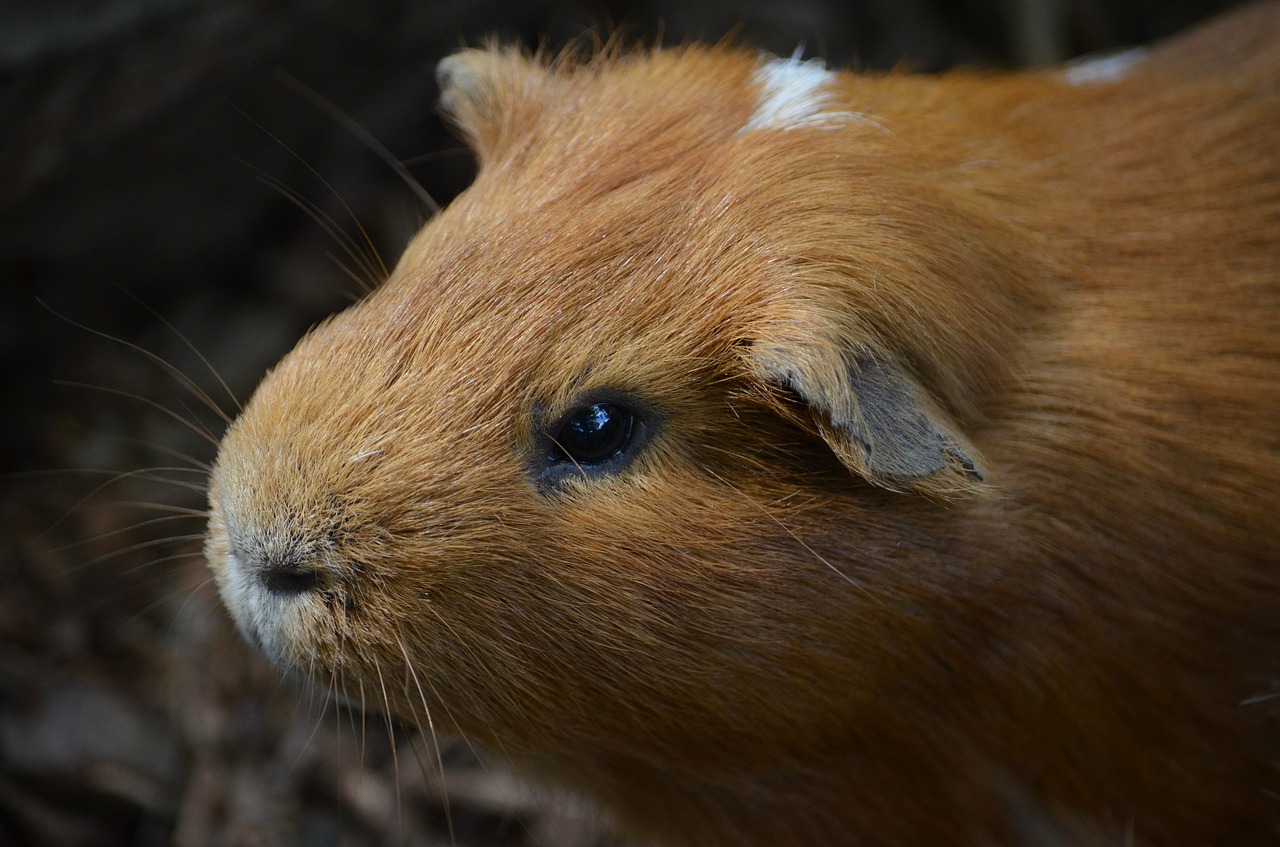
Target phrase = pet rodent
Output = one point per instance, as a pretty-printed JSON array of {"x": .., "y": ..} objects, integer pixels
[{"x": 783, "y": 456}]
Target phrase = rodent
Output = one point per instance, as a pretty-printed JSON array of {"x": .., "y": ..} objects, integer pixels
[{"x": 782, "y": 456}]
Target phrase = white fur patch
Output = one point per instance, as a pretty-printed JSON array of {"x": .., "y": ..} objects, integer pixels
[
  {"x": 277, "y": 625},
  {"x": 1098, "y": 70},
  {"x": 795, "y": 94}
]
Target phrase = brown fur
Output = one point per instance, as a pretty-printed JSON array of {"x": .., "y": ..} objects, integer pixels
[{"x": 1065, "y": 624}]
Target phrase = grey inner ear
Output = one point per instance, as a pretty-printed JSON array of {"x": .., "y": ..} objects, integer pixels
[
  {"x": 873, "y": 417},
  {"x": 888, "y": 421}
]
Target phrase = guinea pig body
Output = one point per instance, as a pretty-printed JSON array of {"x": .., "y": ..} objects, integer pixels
[{"x": 779, "y": 456}]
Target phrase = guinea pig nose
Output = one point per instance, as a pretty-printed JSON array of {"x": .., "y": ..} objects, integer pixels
[{"x": 287, "y": 578}]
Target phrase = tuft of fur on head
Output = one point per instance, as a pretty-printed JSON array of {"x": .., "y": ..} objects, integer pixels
[{"x": 795, "y": 94}]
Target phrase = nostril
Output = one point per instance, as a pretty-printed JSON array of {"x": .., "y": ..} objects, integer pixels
[{"x": 289, "y": 581}]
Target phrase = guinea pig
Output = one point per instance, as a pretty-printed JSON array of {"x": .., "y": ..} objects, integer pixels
[{"x": 774, "y": 455}]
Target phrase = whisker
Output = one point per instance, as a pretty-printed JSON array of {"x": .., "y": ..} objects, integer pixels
[
  {"x": 235, "y": 401},
  {"x": 318, "y": 709},
  {"x": 435, "y": 740},
  {"x": 146, "y": 401},
  {"x": 116, "y": 477},
  {"x": 173, "y": 557},
  {"x": 352, "y": 126},
  {"x": 374, "y": 269},
  {"x": 340, "y": 682},
  {"x": 479, "y": 662},
  {"x": 192, "y": 415},
  {"x": 194, "y": 465},
  {"x": 797, "y": 538},
  {"x": 154, "y": 473},
  {"x": 141, "y": 545},
  {"x": 197, "y": 487},
  {"x": 363, "y": 286},
  {"x": 395, "y": 751},
  {"x": 111, "y": 598},
  {"x": 44, "y": 473},
  {"x": 368, "y": 241},
  {"x": 194, "y": 590},
  {"x": 432, "y": 155},
  {"x": 336, "y": 691},
  {"x": 185, "y": 511},
  {"x": 281, "y": 681},
  {"x": 133, "y": 527},
  {"x": 167, "y": 596},
  {"x": 364, "y": 723},
  {"x": 182, "y": 379}
]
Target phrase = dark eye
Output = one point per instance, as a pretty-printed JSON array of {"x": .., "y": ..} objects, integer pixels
[
  {"x": 595, "y": 434},
  {"x": 597, "y": 437}
]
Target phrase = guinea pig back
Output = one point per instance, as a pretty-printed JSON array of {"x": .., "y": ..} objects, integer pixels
[{"x": 783, "y": 456}]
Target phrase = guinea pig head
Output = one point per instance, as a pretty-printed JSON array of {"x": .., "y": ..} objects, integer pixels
[{"x": 568, "y": 476}]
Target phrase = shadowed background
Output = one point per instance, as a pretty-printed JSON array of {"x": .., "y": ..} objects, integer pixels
[{"x": 163, "y": 176}]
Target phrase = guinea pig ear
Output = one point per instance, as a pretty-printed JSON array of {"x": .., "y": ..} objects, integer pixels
[
  {"x": 876, "y": 417},
  {"x": 479, "y": 86}
]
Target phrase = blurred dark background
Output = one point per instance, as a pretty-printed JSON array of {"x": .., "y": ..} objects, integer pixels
[{"x": 158, "y": 159}]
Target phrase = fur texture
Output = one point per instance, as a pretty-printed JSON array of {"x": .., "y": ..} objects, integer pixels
[{"x": 957, "y": 523}]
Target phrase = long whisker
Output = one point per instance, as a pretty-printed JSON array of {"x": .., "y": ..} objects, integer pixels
[
  {"x": 340, "y": 682},
  {"x": 797, "y": 538},
  {"x": 373, "y": 268},
  {"x": 146, "y": 401},
  {"x": 479, "y": 662},
  {"x": 353, "y": 127},
  {"x": 103, "y": 536},
  {"x": 182, "y": 379},
  {"x": 46, "y": 473},
  {"x": 364, "y": 234},
  {"x": 435, "y": 740},
  {"x": 141, "y": 545},
  {"x": 166, "y": 596},
  {"x": 117, "y": 477},
  {"x": 235, "y": 401},
  {"x": 196, "y": 487},
  {"x": 194, "y": 465},
  {"x": 432, "y": 155},
  {"x": 364, "y": 723},
  {"x": 320, "y": 709},
  {"x": 395, "y": 751},
  {"x": 109, "y": 599},
  {"x": 198, "y": 587},
  {"x": 177, "y": 511}
]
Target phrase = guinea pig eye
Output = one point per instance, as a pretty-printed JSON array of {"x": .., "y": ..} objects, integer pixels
[
  {"x": 597, "y": 437},
  {"x": 595, "y": 434}
]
